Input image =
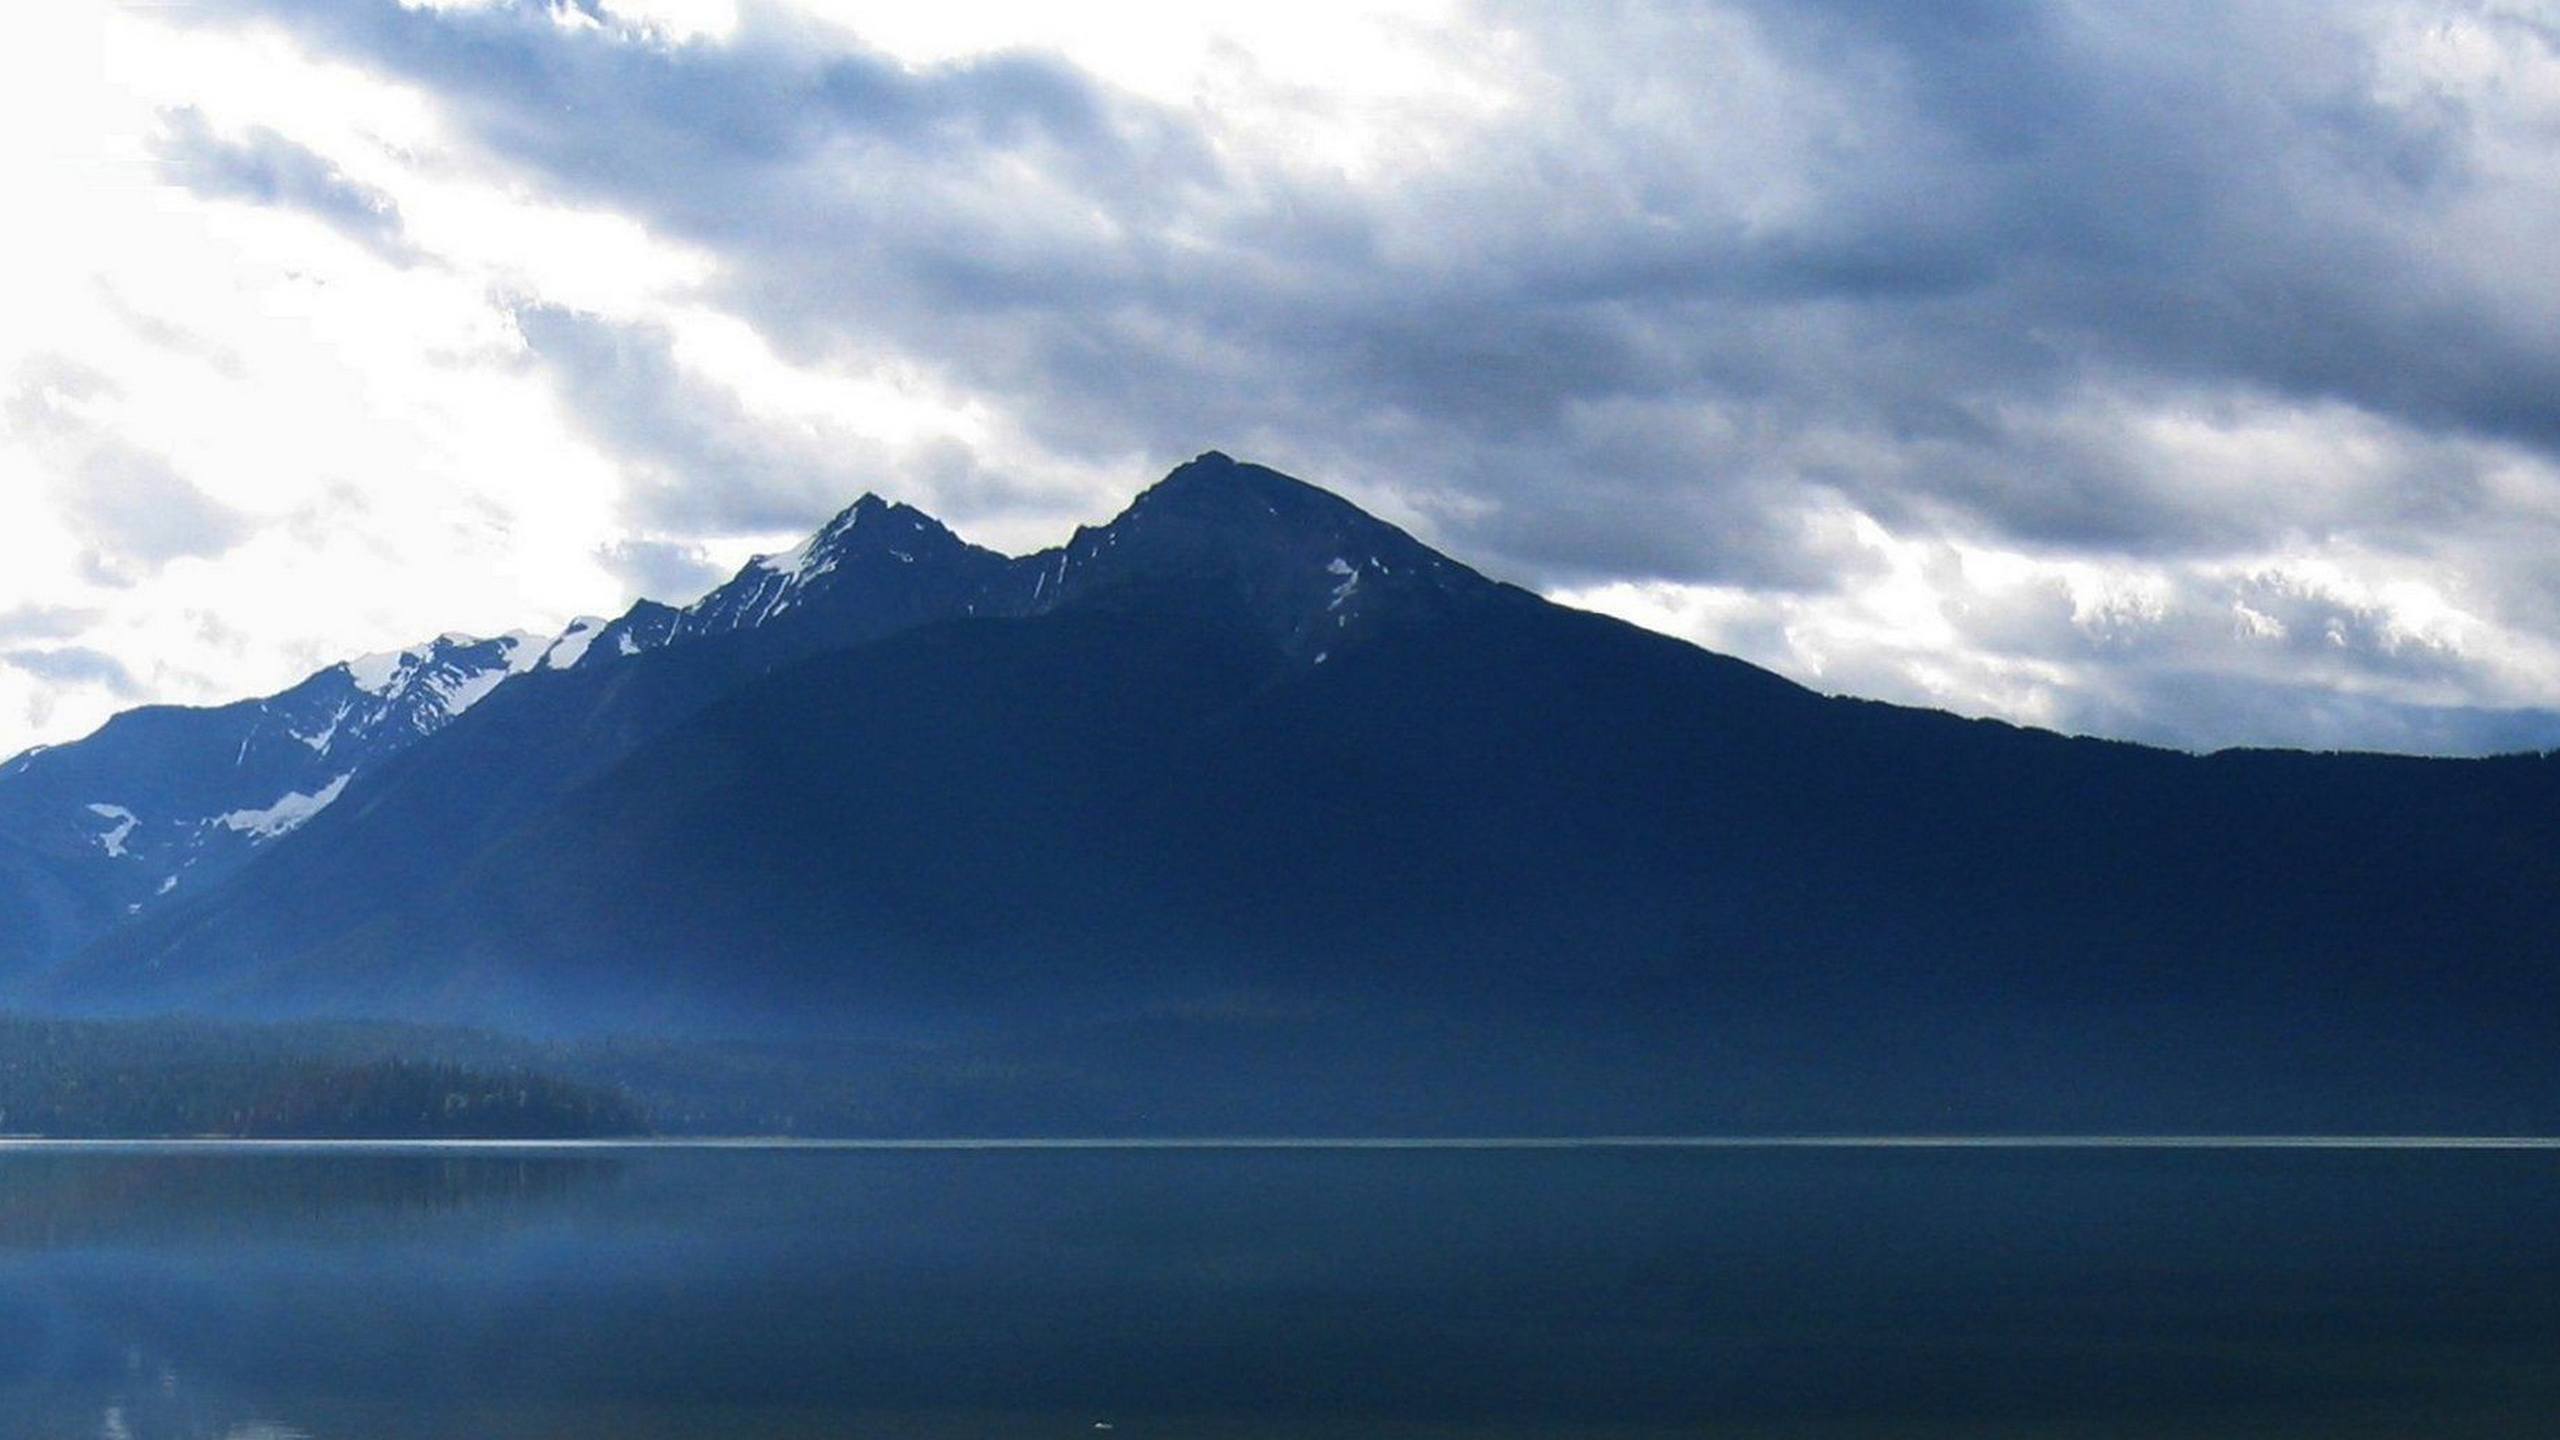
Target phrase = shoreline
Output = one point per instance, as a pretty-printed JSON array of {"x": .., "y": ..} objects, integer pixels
[{"x": 853, "y": 1145}]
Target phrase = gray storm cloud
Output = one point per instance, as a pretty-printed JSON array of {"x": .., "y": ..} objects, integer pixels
[
  {"x": 267, "y": 168},
  {"x": 74, "y": 665},
  {"x": 2167, "y": 285},
  {"x": 129, "y": 506}
]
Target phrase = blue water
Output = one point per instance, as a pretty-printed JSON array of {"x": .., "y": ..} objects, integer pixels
[{"x": 644, "y": 1293}]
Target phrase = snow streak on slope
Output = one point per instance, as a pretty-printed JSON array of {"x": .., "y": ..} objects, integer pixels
[{"x": 287, "y": 814}]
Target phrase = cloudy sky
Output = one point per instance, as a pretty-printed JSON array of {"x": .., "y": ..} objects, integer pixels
[{"x": 2171, "y": 369}]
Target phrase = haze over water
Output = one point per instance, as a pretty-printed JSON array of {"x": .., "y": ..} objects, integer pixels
[{"x": 151, "y": 1294}]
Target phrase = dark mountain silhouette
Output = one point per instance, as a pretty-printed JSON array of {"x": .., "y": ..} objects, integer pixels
[
  {"x": 1248, "y": 811},
  {"x": 170, "y": 798},
  {"x": 163, "y": 802}
]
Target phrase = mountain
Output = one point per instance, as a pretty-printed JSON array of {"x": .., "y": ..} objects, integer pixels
[
  {"x": 1248, "y": 811},
  {"x": 1309, "y": 572},
  {"x": 168, "y": 798}
]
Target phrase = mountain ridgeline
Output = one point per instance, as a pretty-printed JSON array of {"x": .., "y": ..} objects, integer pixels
[{"x": 1248, "y": 812}]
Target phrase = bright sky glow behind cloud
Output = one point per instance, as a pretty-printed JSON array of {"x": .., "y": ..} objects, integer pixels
[{"x": 2155, "y": 370}]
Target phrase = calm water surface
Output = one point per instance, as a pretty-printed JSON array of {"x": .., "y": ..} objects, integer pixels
[{"x": 149, "y": 1295}]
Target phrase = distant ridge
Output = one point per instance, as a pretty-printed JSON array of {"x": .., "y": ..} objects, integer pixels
[{"x": 1246, "y": 812}]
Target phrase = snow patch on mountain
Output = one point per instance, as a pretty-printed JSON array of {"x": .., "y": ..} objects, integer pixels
[
  {"x": 446, "y": 670},
  {"x": 319, "y": 742},
  {"x": 113, "y": 841},
  {"x": 565, "y": 652},
  {"x": 805, "y": 561},
  {"x": 461, "y": 690},
  {"x": 380, "y": 674},
  {"x": 288, "y": 814},
  {"x": 1350, "y": 581}
]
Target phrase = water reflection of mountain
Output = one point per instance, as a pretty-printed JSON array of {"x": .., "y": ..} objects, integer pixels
[
  {"x": 794, "y": 1295},
  {"x": 149, "y": 1400},
  {"x": 59, "y": 1199}
]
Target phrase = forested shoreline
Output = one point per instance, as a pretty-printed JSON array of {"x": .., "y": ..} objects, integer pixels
[{"x": 85, "y": 1079}]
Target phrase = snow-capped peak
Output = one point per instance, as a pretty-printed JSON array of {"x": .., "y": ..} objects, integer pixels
[
  {"x": 801, "y": 563},
  {"x": 821, "y": 550},
  {"x": 524, "y": 650},
  {"x": 449, "y": 667},
  {"x": 847, "y": 555},
  {"x": 571, "y": 646},
  {"x": 381, "y": 673}
]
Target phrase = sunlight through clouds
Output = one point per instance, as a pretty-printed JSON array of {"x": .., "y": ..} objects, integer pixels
[{"x": 1941, "y": 363}]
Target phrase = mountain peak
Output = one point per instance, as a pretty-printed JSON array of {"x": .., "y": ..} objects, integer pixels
[
  {"x": 888, "y": 561},
  {"x": 1217, "y": 478},
  {"x": 390, "y": 674},
  {"x": 1314, "y": 570}
]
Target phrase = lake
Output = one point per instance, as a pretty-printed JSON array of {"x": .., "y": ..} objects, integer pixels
[{"x": 149, "y": 1292}]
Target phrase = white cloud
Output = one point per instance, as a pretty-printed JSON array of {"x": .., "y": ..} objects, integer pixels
[
  {"x": 381, "y": 470},
  {"x": 2195, "y": 650},
  {"x": 2046, "y": 378}
]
